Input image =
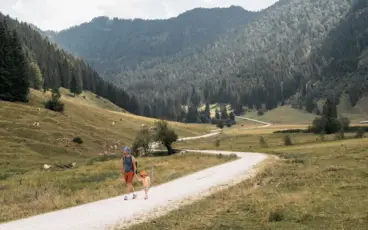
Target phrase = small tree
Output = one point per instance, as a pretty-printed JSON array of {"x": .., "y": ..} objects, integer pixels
[
  {"x": 142, "y": 140},
  {"x": 35, "y": 76},
  {"x": 262, "y": 142},
  {"x": 165, "y": 135},
  {"x": 232, "y": 117},
  {"x": 360, "y": 133},
  {"x": 217, "y": 143},
  {"x": 220, "y": 124},
  {"x": 224, "y": 114},
  {"x": 287, "y": 140},
  {"x": 217, "y": 114},
  {"x": 345, "y": 122},
  {"x": 55, "y": 104},
  {"x": 75, "y": 86}
]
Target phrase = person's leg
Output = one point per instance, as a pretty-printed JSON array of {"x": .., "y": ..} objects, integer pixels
[
  {"x": 130, "y": 184},
  {"x": 146, "y": 193},
  {"x": 126, "y": 177}
]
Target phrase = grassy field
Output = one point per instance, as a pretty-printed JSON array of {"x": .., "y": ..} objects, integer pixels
[
  {"x": 43, "y": 191},
  {"x": 283, "y": 115},
  {"x": 315, "y": 185},
  {"x": 25, "y": 147}
]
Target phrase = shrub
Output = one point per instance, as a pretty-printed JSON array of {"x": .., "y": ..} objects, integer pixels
[
  {"x": 360, "y": 133},
  {"x": 78, "y": 140},
  {"x": 54, "y": 105},
  {"x": 262, "y": 142},
  {"x": 287, "y": 140},
  {"x": 217, "y": 143},
  {"x": 345, "y": 122},
  {"x": 276, "y": 216},
  {"x": 220, "y": 125},
  {"x": 329, "y": 125},
  {"x": 260, "y": 112}
]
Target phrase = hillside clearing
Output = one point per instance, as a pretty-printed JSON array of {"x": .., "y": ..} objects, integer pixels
[{"x": 26, "y": 147}]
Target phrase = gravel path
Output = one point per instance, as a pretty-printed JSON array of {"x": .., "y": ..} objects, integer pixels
[{"x": 107, "y": 214}]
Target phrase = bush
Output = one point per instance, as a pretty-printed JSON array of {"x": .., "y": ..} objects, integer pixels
[
  {"x": 293, "y": 131},
  {"x": 217, "y": 143},
  {"x": 276, "y": 216},
  {"x": 55, "y": 105},
  {"x": 329, "y": 125},
  {"x": 262, "y": 142},
  {"x": 142, "y": 141},
  {"x": 220, "y": 125},
  {"x": 78, "y": 140},
  {"x": 260, "y": 112},
  {"x": 345, "y": 122},
  {"x": 287, "y": 140},
  {"x": 360, "y": 133}
]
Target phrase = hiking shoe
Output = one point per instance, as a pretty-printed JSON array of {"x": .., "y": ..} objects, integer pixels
[
  {"x": 126, "y": 198},
  {"x": 134, "y": 196}
]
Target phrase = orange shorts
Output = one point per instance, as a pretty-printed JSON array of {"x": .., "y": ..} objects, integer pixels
[{"x": 129, "y": 177}]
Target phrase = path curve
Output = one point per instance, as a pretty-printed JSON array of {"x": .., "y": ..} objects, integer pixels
[
  {"x": 265, "y": 124},
  {"x": 109, "y": 213}
]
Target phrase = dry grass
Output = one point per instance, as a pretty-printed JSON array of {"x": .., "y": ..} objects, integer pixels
[
  {"x": 43, "y": 191},
  {"x": 25, "y": 147},
  {"x": 284, "y": 115},
  {"x": 314, "y": 186}
]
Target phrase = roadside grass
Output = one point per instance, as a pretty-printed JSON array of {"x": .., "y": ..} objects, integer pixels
[
  {"x": 283, "y": 115},
  {"x": 314, "y": 185},
  {"x": 251, "y": 142},
  {"x": 43, "y": 191},
  {"x": 25, "y": 147}
]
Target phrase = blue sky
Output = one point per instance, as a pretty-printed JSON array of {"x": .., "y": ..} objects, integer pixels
[{"x": 61, "y": 14}]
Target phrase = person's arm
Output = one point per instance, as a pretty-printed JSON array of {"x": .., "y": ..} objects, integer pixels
[
  {"x": 148, "y": 181},
  {"x": 122, "y": 167}
]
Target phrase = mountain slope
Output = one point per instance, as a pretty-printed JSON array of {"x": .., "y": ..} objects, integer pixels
[
  {"x": 264, "y": 63},
  {"x": 340, "y": 64},
  {"x": 112, "y": 46},
  {"x": 57, "y": 67}
]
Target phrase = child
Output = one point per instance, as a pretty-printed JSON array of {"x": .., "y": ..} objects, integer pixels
[{"x": 143, "y": 176}]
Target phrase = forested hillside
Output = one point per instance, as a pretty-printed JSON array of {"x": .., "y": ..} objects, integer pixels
[
  {"x": 117, "y": 45},
  {"x": 49, "y": 67},
  {"x": 340, "y": 63},
  {"x": 266, "y": 62}
]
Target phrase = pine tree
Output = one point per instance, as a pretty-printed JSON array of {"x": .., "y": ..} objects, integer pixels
[
  {"x": 13, "y": 67},
  {"x": 224, "y": 114},
  {"x": 232, "y": 117},
  {"x": 207, "y": 111},
  {"x": 217, "y": 114},
  {"x": 35, "y": 76},
  {"x": 75, "y": 87}
]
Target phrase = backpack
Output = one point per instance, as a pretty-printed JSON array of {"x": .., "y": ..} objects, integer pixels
[{"x": 136, "y": 166}]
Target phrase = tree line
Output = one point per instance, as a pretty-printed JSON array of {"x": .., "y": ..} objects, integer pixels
[{"x": 45, "y": 66}]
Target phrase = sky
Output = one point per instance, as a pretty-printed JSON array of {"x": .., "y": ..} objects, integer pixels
[{"x": 61, "y": 14}]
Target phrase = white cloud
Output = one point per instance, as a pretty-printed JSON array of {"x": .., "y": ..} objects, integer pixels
[{"x": 60, "y": 14}]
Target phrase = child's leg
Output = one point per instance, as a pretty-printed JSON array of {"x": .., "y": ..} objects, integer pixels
[{"x": 146, "y": 192}]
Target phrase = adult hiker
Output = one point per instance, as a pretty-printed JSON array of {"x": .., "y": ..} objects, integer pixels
[{"x": 129, "y": 168}]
